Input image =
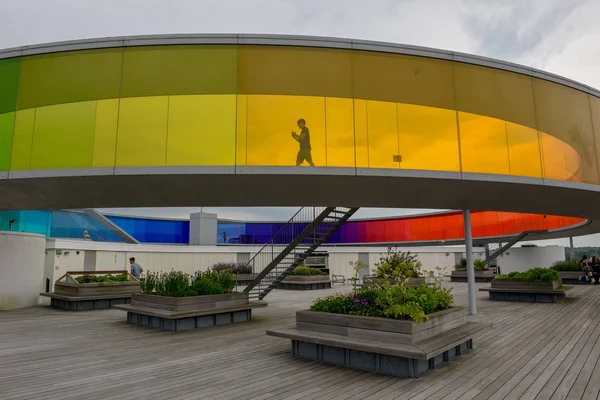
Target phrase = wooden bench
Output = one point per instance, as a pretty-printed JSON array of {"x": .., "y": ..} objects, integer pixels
[{"x": 338, "y": 279}]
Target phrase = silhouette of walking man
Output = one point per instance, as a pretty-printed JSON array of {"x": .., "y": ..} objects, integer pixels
[{"x": 304, "y": 140}]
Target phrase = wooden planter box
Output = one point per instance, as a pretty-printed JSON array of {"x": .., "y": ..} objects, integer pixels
[
  {"x": 480, "y": 276},
  {"x": 382, "y": 345},
  {"x": 183, "y": 313},
  {"x": 301, "y": 282},
  {"x": 571, "y": 277},
  {"x": 372, "y": 280},
  {"x": 73, "y": 296},
  {"x": 527, "y": 291}
]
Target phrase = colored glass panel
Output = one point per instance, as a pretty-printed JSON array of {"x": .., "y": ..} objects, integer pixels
[
  {"x": 270, "y": 120},
  {"x": 339, "y": 132},
  {"x": 7, "y": 122},
  {"x": 595, "y": 108},
  {"x": 69, "y": 77},
  {"x": 523, "y": 150},
  {"x": 403, "y": 79},
  {"x": 179, "y": 70},
  {"x": 105, "y": 133},
  {"x": 428, "y": 138},
  {"x": 297, "y": 71},
  {"x": 201, "y": 130},
  {"x": 483, "y": 144},
  {"x": 360, "y": 134},
  {"x": 382, "y": 131},
  {"x": 565, "y": 114},
  {"x": 22, "y": 139},
  {"x": 63, "y": 136},
  {"x": 241, "y": 128},
  {"x": 9, "y": 84},
  {"x": 142, "y": 135}
]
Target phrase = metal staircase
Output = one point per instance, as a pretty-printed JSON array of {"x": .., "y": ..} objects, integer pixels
[
  {"x": 292, "y": 244},
  {"x": 495, "y": 251}
]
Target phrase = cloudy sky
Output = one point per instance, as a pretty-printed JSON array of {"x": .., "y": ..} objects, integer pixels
[{"x": 559, "y": 36}]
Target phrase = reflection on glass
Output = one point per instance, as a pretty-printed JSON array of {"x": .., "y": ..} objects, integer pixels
[
  {"x": 428, "y": 138},
  {"x": 63, "y": 136},
  {"x": 201, "y": 130},
  {"x": 523, "y": 151},
  {"x": 564, "y": 113},
  {"x": 483, "y": 144},
  {"x": 142, "y": 135},
  {"x": 22, "y": 137},
  {"x": 270, "y": 120}
]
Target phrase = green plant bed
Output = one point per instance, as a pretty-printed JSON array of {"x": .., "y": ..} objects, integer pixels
[
  {"x": 567, "y": 265},
  {"x": 181, "y": 284},
  {"x": 307, "y": 271},
  {"x": 531, "y": 275}
]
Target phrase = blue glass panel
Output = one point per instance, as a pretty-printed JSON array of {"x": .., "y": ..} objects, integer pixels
[
  {"x": 148, "y": 230},
  {"x": 73, "y": 224}
]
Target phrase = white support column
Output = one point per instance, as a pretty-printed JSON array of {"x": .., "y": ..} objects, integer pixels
[
  {"x": 572, "y": 249},
  {"x": 470, "y": 266}
]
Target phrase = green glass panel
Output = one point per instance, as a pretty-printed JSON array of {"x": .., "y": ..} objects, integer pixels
[
  {"x": 9, "y": 84},
  {"x": 7, "y": 121},
  {"x": 22, "y": 137}
]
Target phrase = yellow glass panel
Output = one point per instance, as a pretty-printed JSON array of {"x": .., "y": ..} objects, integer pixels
[
  {"x": 142, "y": 135},
  {"x": 524, "y": 151},
  {"x": 403, "y": 79},
  {"x": 295, "y": 71},
  {"x": 360, "y": 134},
  {"x": 201, "y": 130},
  {"x": 555, "y": 156},
  {"x": 105, "y": 135},
  {"x": 483, "y": 144},
  {"x": 382, "y": 129},
  {"x": 340, "y": 132},
  {"x": 69, "y": 77},
  {"x": 494, "y": 93},
  {"x": 194, "y": 69},
  {"x": 22, "y": 138},
  {"x": 240, "y": 138},
  {"x": 428, "y": 138},
  {"x": 565, "y": 114},
  {"x": 270, "y": 122},
  {"x": 63, "y": 136}
]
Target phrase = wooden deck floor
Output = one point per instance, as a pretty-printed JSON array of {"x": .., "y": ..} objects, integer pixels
[{"x": 532, "y": 351}]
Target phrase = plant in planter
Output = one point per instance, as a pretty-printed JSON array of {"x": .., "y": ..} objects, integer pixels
[
  {"x": 303, "y": 270},
  {"x": 357, "y": 266},
  {"x": 478, "y": 265},
  {"x": 534, "y": 274},
  {"x": 232, "y": 267},
  {"x": 397, "y": 265},
  {"x": 101, "y": 278},
  {"x": 567, "y": 265},
  {"x": 181, "y": 284}
]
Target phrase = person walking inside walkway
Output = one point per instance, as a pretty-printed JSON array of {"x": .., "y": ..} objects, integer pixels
[
  {"x": 136, "y": 269},
  {"x": 304, "y": 140}
]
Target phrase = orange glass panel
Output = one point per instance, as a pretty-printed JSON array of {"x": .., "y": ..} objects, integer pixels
[
  {"x": 270, "y": 121},
  {"x": 382, "y": 131},
  {"x": 564, "y": 113},
  {"x": 428, "y": 138},
  {"x": 595, "y": 107},
  {"x": 339, "y": 132},
  {"x": 561, "y": 161},
  {"x": 294, "y": 71},
  {"x": 403, "y": 79},
  {"x": 483, "y": 144}
]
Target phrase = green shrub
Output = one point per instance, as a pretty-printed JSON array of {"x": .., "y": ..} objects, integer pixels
[
  {"x": 101, "y": 278},
  {"x": 181, "y": 284},
  {"x": 398, "y": 302},
  {"x": 534, "y": 274},
  {"x": 307, "y": 271},
  {"x": 568, "y": 265},
  {"x": 478, "y": 265},
  {"x": 396, "y": 264}
]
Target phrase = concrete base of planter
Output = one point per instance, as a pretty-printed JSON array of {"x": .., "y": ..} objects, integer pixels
[
  {"x": 86, "y": 303},
  {"x": 375, "y": 362},
  {"x": 400, "y": 348},
  {"x": 186, "y": 323},
  {"x": 298, "y": 282},
  {"x": 182, "y": 313},
  {"x": 480, "y": 276},
  {"x": 531, "y": 292}
]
